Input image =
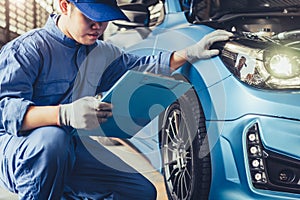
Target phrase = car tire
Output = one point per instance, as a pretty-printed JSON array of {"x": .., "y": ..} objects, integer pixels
[{"x": 185, "y": 150}]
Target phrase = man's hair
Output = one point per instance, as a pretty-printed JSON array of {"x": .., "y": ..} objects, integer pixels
[
  {"x": 72, "y": 6},
  {"x": 57, "y": 6}
]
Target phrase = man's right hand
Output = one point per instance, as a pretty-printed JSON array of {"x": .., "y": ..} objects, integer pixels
[{"x": 85, "y": 113}]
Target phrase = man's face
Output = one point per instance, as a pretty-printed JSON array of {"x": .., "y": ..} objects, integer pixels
[{"x": 82, "y": 29}]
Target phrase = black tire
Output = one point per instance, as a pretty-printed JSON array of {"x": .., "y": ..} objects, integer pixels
[{"x": 185, "y": 150}]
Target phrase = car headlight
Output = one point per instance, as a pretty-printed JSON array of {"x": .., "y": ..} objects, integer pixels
[
  {"x": 264, "y": 66},
  {"x": 282, "y": 64}
]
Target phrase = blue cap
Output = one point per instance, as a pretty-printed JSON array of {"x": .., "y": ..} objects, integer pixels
[{"x": 100, "y": 10}]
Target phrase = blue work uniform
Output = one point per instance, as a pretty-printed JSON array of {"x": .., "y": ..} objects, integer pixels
[{"x": 44, "y": 67}]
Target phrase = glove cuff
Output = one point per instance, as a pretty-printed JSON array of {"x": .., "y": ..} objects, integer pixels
[
  {"x": 58, "y": 123},
  {"x": 62, "y": 117}
]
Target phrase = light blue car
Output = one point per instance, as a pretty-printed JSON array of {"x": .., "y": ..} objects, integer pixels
[{"x": 236, "y": 134}]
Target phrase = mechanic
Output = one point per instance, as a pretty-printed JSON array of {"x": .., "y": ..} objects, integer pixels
[
  {"x": 48, "y": 81},
  {"x": 239, "y": 66}
]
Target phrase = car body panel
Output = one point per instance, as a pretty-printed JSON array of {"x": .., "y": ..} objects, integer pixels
[{"x": 172, "y": 7}]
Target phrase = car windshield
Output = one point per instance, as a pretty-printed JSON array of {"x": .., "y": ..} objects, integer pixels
[{"x": 215, "y": 9}]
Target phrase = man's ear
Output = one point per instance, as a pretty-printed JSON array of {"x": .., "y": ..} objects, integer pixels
[{"x": 63, "y": 5}]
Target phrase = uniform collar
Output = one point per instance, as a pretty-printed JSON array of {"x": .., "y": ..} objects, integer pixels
[{"x": 53, "y": 29}]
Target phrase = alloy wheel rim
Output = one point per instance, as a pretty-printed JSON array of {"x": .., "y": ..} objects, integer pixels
[{"x": 178, "y": 156}]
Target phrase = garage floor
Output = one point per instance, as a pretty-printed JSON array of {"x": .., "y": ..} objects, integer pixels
[
  {"x": 137, "y": 161},
  {"x": 130, "y": 156}
]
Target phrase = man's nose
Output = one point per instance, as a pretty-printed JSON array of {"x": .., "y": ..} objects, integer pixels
[{"x": 97, "y": 25}]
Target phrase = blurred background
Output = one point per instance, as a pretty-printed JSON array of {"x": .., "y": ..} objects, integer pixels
[{"x": 20, "y": 16}]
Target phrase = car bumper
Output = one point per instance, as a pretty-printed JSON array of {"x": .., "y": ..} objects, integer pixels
[{"x": 232, "y": 177}]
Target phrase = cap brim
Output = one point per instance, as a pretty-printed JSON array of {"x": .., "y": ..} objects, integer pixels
[{"x": 101, "y": 12}]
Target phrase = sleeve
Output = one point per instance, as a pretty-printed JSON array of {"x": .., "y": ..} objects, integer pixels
[
  {"x": 157, "y": 64},
  {"x": 17, "y": 75}
]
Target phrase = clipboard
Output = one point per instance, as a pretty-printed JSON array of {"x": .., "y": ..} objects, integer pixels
[{"x": 137, "y": 98}]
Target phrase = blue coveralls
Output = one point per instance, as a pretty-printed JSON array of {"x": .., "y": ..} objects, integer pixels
[{"x": 44, "y": 67}]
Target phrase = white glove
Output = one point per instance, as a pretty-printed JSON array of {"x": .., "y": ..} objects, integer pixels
[
  {"x": 85, "y": 113},
  {"x": 201, "y": 50}
]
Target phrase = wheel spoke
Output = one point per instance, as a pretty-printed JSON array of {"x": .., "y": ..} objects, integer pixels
[
  {"x": 182, "y": 130},
  {"x": 175, "y": 121},
  {"x": 188, "y": 158},
  {"x": 169, "y": 136},
  {"x": 178, "y": 190},
  {"x": 184, "y": 186},
  {"x": 183, "y": 135},
  {"x": 181, "y": 186},
  {"x": 185, "y": 183},
  {"x": 188, "y": 173},
  {"x": 171, "y": 163},
  {"x": 173, "y": 129},
  {"x": 167, "y": 147},
  {"x": 175, "y": 117},
  {"x": 173, "y": 175}
]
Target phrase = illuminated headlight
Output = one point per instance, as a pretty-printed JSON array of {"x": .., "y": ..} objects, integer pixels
[
  {"x": 269, "y": 68},
  {"x": 283, "y": 66}
]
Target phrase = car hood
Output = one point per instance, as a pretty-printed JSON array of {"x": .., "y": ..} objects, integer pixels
[{"x": 216, "y": 9}]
